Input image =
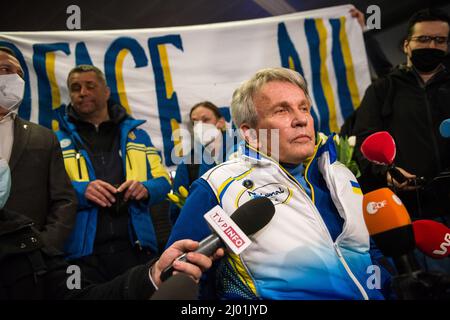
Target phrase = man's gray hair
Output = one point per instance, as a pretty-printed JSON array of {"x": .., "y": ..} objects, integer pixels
[
  {"x": 242, "y": 107},
  {"x": 87, "y": 68}
]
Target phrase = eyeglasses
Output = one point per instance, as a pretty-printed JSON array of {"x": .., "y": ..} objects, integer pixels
[{"x": 428, "y": 39}]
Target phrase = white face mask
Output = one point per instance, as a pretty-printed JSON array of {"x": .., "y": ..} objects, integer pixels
[
  {"x": 12, "y": 88},
  {"x": 5, "y": 182},
  {"x": 205, "y": 133}
]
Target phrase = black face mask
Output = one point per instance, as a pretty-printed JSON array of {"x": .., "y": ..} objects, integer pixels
[{"x": 427, "y": 59}]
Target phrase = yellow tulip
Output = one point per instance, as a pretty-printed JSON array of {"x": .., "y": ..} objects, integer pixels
[
  {"x": 184, "y": 193},
  {"x": 173, "y": 198}
]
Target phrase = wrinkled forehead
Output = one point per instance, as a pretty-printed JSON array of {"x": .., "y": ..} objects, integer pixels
[
  {"x": 79, "y": 77},
  {"x": 437, "y": 27}
]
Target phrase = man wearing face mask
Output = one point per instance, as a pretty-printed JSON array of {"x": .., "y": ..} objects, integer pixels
[
  {"x": 40, "y": 187},
  {"x": 410, "y": 103}
]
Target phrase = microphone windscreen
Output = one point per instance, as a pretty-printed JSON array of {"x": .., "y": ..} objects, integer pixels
[
  {"x": 444, "y": 128},
  {"x": 379, "y": 148},
  {"x": 432, "y": 238},
  {"x": 384, "y": 211},
  {"x": 388, "y": 222},
  {"x": 254, "y": 215},
  {"x": 177, "y": 287}
]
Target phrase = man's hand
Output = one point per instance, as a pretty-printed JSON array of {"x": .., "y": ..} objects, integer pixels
[
  {"x": 198, "y": 262},
  {"x": 135, "y": 190},
  {"x": 101, "y": 193},
  {"x": 405, "y": 186}
]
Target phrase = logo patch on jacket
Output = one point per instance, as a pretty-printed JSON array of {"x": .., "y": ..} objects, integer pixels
[
  {"x": 356, "y": 188},
  {"x": 132, "y": 136},
  {"x": 276, "y": 192},
  {"x": 64, "y": 143}
]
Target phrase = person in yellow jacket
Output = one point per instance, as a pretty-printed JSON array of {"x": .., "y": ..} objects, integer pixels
[{"x": 117, "y": 174}]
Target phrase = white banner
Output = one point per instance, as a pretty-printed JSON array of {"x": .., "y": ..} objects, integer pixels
[{"x": 158, "y": 74}]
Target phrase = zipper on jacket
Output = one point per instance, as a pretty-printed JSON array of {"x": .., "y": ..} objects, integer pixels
[
  {"x": 78, "y": 156},
  {"x": 349, "y": 271},
  {"x": 324, "y": 227},
  {"x": 334, "y": 244},
  {"x": 433, "y": 136},
  {"x": 340, "y": 255}
]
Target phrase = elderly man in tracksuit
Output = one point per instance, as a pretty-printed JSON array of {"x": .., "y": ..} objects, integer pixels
[
  {"x": 317, "y": 245},
  {"x": 117, "y": 175}
]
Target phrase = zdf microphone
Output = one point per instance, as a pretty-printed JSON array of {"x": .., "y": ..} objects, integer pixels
[
  {"x": 432, "y": 238},
  {"x": 248, "y": 219},
  {"x": 389, "y": 225}
]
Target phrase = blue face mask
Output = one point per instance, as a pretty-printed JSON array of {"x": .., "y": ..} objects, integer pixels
[{"x": 5, "y": 182}]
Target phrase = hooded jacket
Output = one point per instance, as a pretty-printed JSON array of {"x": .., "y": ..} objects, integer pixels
[{"x": 140, "y": 161}]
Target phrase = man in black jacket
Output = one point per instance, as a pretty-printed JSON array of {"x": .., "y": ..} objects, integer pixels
[
  {"x": 40, "y": 187},
  {"x": 410, "y": 103},
  {"x": 31, "y": 270}
]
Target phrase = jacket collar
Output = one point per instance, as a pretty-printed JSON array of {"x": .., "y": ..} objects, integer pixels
[
  {"x": 117, "y": 112},
  {"x": 254, "y": 156},
  {"x": 22, "y": 131}
]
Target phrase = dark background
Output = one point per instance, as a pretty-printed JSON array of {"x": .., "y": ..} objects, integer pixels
[{"x": 44, "y": 15}]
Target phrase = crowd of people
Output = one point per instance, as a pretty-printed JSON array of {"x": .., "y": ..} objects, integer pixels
[{"x": 83, "y": 196}]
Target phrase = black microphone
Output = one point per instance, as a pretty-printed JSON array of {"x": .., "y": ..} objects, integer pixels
[
  {"x": 178, "y": 287},
  {"x": 251, "y": 217}
]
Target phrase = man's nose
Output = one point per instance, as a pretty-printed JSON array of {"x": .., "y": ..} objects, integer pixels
[
  {"x": 83, "y": 90},
  {"x": 300, "y": 119},
  {"x": 432, "y": 44}
]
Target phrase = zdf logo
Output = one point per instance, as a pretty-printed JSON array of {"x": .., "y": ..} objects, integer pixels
[{"x": 373, "y": 207}]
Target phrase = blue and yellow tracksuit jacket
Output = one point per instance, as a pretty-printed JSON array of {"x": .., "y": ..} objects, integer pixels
[
  {"x": 141, "y": 162},
  {"x": 295, "y": 255}
]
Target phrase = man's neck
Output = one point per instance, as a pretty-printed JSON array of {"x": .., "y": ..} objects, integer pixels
[
  {"x": 97, "y": 118},
  {"x": 426, "y": 76}
]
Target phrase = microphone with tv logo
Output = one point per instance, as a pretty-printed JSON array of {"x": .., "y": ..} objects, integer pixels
[
  {"x": 232, "y": 231},
  {"x": 432, "y": 238},
  {"x": 380, "y": 148}
]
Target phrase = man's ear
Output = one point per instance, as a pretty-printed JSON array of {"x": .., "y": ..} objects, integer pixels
[
  {"x": 249, "y": 135},
  {"x": 108, "y": 93},
  {"x": 405, "y": 43}
]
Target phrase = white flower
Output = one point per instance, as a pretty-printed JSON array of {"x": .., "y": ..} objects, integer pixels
[
  {"x": 323, "y": 136},
  {"x": 352, "y": 141}
]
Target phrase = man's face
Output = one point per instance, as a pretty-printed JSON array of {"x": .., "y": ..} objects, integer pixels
[
  {"x": 88, "y": 94},
  {"x": 284, "y": 106},
  {"x": 426, "y": 28},
  {"x": 9, "y": 65}
]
